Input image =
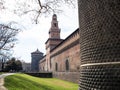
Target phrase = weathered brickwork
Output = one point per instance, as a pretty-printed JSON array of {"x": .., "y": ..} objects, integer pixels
[
  {"x": 68, "y": 76},
  {"x": 42, "y": 64},
  {"x": 100, "y": 44},
  {"x": 53, "y": 42},
  {"x": 69, "y": 50}
]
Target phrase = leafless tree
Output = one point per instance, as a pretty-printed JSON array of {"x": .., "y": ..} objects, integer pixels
[
  {"x": 50, "y": 6},
  {"x": 38, "y": 7},
  {"x": 7, "y": 39}
]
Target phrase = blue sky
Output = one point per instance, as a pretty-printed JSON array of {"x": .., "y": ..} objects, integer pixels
[{"x": 33, "y": 35}]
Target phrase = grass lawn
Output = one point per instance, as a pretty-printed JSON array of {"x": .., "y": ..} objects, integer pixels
[
  {"x": 27, "y": 82},
  {"x": 1, "y": 73}
]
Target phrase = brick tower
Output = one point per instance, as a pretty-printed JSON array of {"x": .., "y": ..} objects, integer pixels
[
  {"x": 100, "y": 44},
  {"x": 36, "y": 56},
  {"x": 53, "y": 40}
]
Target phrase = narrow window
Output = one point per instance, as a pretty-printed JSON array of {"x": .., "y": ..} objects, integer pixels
[
  {"x": 50, "y": 64},
  {"x": 56, "y": 67},
  {"x": 67, "y": 65}
]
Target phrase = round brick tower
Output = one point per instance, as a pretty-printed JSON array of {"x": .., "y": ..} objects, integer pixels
[
  {"x": 100, "y": 44},
  {"x": 36, "y": 57}
]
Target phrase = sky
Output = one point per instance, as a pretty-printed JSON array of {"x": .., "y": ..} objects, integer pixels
[{"x": 33, "y": 36}]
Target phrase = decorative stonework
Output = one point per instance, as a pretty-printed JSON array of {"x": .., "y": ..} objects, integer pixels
[{"x": 100, "y": 44}]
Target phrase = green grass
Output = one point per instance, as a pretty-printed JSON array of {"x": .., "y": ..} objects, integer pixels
[
  {"x": 2, "y": 73},
  {"x": 26, "y": 82}
]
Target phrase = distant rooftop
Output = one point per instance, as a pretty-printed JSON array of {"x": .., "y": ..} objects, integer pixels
[{"x": 37, "y": 52}]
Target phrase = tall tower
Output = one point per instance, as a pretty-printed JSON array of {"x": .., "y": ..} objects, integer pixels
[
  {"x": 53, "y": 40},
  {"x": 36, "y": 56},
  {"x": 54, "y": 31},
  {"x": 100, "y": 44}
]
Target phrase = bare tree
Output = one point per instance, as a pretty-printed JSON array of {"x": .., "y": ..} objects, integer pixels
[
  {"x": 50, "y": 6},
  {"x": 7, "y": 39},
  {"x": 38, "y": 7}
]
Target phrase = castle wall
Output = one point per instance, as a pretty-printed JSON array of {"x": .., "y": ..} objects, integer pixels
[
  {"x": 68, "y": 50},
  {"x": 71, "y": 54},
  {"x": 68, "y": 76},
  {"x": 42, "y": 64}
]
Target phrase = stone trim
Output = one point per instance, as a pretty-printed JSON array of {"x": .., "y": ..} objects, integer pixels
[
  {"x": 105, "y": 63},
  {"x": 66, "y": 39}
]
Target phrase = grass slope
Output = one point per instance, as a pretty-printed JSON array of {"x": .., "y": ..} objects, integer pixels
[
  {"x": 26, "y": 82},
  {"x": 2, "y": 73}
]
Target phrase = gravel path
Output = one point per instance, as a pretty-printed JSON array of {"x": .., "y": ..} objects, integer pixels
[{"x": 2, "y": 80}]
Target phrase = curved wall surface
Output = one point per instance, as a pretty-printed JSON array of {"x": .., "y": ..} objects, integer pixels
[{"x": 100, "y": 44}]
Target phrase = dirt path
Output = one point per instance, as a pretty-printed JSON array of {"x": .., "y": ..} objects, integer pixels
[
  {"x": 1, "y": 84},
  {"x": 2, "y": 80}
]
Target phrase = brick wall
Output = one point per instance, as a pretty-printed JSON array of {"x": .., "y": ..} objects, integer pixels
[
  {"x": 42, "y": 66},
  {"x": 73, "y": 57},
  {"x": 68, "y": 76},
  {"x": 68, "y": 50},
  {"x": 100, "y": 44}
]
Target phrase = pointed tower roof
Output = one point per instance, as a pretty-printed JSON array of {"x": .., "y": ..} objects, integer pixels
[
  {"x": 54, "y": 17},
  {"x": 37, "y": 52},
  {"x": 54, "y": 31}
]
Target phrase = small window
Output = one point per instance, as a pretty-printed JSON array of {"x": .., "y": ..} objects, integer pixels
[
  {"x": 67, "y": 65},
  {"x": 50, "y": 64},
  {"x": 56, "y": 67}
]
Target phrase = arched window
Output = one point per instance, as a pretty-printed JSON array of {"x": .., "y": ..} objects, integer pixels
[
  {"x": 56, "y": 67},
  {"x": 67, "y": 65}
]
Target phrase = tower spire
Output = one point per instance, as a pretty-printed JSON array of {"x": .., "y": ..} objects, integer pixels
[
  {"x": 53, "y": 40},
  {"x": 54, "y": 31}
]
